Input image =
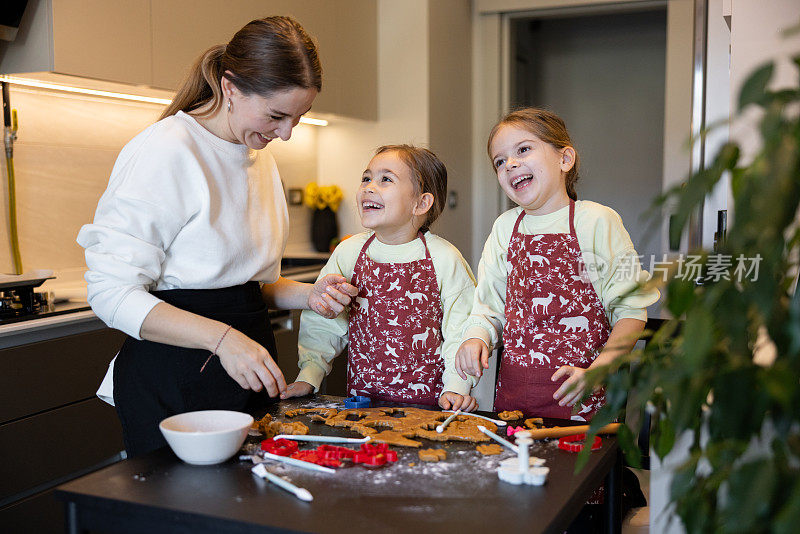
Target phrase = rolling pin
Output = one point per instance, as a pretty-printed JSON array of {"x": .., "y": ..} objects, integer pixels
[{"x": 561, "y": 431}]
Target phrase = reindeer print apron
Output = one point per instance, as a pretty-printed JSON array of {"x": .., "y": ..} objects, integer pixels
[
  {"x": 553, "y": 318},
  {"x": 395, "y": 339}
]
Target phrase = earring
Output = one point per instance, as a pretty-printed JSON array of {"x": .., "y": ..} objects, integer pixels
[{"x": 229, "y": 106}]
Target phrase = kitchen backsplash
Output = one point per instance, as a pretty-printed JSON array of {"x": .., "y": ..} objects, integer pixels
[{"x": 66, "y": 148}]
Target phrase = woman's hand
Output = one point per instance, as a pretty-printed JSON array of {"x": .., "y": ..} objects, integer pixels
[
  {"x": 250, "y": 364},
  {"x": 297, "y": 389},
  {"x": 575, "y": 379},
  {"x": 472, "y": 357},
  {"x": 450, "y": 400},
  {"x": 330, "y": 294}
]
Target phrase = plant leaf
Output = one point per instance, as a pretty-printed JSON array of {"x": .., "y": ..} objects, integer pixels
[
  {"x": 698, "y": 337},
  {"x": 666, "y": 437},
  {"x": 751, "y": 486},
  {"x": 680, "y": 295},
  {"x": 755, "y": 86},
  {"x": 683, "y": 480},
  {"x": 630, "y": 450},
  {"x": 788, "y": 517}
]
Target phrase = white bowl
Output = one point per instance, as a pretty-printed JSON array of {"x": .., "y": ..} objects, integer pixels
[{"x": 206, "y": 437}]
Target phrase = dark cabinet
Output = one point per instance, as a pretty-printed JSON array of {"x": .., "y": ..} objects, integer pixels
[
  {"x": 286, "y": 327},
  {"x": 52, "y": 427}
]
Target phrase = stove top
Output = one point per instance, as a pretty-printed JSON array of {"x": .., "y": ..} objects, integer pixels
[{"x": 19, "y": 301}]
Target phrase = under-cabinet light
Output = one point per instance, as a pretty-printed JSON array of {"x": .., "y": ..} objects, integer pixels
[{"x": 27, "y": 82}]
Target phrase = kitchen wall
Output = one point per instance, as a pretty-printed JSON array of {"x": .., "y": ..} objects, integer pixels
[
  {"x": 424, "y": 98},
  {"x": 346, "y": 145},
  {"x": 63, "y": 157}
]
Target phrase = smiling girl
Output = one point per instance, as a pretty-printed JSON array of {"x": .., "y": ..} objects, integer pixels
[
  {"x": 415, "y": 291},
  {"x": 557, "y": 318}
]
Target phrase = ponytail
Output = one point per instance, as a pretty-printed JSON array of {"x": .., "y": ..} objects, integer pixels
[
  {"x": 266, "y": 56},
  {"x": 201, "y": 86}
]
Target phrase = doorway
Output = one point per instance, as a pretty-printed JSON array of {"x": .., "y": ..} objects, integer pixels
[{"x": 604, "y": 74}]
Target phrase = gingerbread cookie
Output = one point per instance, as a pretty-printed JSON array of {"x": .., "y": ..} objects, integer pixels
[
  {"x": 489, "y": 450},
  {"x": 534, "y": 422},
  {"x": 462, "y": 428},
  {"x": 396, "y": 426},
  {"x": 432, "y": 455},
  {"x": 324, "y": 413},
  {"x": 295, "y": 428},
  {"x": 510, "y": 416},
  {"x": 271, "y": 428}
]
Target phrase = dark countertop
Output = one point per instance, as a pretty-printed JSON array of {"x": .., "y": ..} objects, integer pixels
[
  {"x": 59, "y": 308},
  {"x": 67, "y": 319},
  {"x": 159, "y": 493}
]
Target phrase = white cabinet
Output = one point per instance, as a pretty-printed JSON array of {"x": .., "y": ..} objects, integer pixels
[
  {"x": 155, "y": 42},
  {"x": 184, "y": 29},
  {"x": 345, "y": 30},
  {"x": 87, "y": 38}
]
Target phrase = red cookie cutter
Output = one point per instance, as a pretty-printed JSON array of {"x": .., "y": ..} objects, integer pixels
[
  {"x": 281, "y": 447},
  {"x": 510, "y": 430},
  {"x": 315, "y": 457},
  {"x": 331, "y": 455},
  {"x": 375, "y": 454},
  {"x": 575, "y": 443},
  {"x": 332, "y": 452},
  {"x": 327, "y": 455}
]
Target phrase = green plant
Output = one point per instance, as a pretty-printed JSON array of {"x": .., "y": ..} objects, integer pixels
[{"x": 743, "y": 468}]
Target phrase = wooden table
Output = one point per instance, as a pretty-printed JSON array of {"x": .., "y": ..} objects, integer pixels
[{"x": 159, "y": 493}]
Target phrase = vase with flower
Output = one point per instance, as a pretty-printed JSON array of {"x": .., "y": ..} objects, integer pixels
[{"x": 324, "y": 201}]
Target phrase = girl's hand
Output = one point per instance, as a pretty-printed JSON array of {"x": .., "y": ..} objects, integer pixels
[
  {"x": 453, "y": 401},
  {"x": 574, "y": 377},
  {"x": 330, "y": 294},
  {"x": 250, "y": 364},
  {"x": 297, "y": 389},
  {"x": 472, "y": 357}
]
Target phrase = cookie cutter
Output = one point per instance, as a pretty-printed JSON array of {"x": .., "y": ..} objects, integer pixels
[
  {"x": 375, "y": 455},
  {"x": 357, "y": 401},
  {"x": 523, "y": 469},
  {"x": 280, "y": 447},
  {"x": 334, "y": 456},
  {"x": 575, "y": 443},
  {"x": 510, "y": 430},
  {"x": 315, "y": 457},
  {"x": 333, "y": 452},
  {"x": 329, "y": 455}
]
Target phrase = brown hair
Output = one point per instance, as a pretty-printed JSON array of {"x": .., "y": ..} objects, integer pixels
[
  {"x": 266, "y": 56},
  {"x": 548, "y": 127},
  {"x": 430, "y": 174}
]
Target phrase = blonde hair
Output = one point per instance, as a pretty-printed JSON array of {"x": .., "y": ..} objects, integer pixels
[
  {"x": 266, "y": 56},
  {"x": 429, "y": 173},
  {"x": 548, "y": 127}
]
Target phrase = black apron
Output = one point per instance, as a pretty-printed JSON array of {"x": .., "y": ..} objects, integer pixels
[{"x": 153, "y": 381}]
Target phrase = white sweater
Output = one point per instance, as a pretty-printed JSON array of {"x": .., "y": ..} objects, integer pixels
[{"x": 183, "y": 209}]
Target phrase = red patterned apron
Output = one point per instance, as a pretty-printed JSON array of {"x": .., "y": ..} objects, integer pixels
[
  {"x": 553, "y": 318},
  {"x": 395, "y": 330}
]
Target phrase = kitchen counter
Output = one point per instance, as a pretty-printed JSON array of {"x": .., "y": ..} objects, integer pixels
[
  {"x": 75, "y": 317},
  {"x": 69, "y": 318},
  {"x": 159, "y": 493}
]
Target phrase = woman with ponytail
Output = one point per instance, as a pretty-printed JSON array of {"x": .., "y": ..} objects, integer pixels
[{"x": 184, "y": 251}]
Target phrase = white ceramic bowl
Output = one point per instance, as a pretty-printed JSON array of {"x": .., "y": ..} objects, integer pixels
[{"x": 206, "y": 437}]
